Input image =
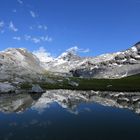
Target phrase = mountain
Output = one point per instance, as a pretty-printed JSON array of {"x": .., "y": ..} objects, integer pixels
[
  {"x": 63, "y": 63},
  {"x": 19, "y": 65},
  {"x": 115, "y": 65}
]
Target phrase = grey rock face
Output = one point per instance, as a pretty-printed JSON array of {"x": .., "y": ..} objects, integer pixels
[
  {"x": 138, "y": 46},
  {"x": 74, "y": 84},
  {"x": 116, "y": 65},
  {"x": 6, "y": 88},
  {"x": 37, "y": 89},
  {"x": 18, "y": 65},
  {"x": 68, "y": 56}
]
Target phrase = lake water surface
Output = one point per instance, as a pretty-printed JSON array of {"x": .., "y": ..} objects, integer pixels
[{"x": 68, "y": 115}]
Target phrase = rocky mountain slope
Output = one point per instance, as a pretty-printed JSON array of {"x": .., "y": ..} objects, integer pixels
[
  {"x": 115, "y": 65},
  {"x": 18, "y": 66}
]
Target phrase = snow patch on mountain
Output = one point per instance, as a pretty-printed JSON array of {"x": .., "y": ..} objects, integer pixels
[
  {"x": 134, "y": 49},
  {"x": 19, "y": 65},
  {"x": 115, "y": 65}
]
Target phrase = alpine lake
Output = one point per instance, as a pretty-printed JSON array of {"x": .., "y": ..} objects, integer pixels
[{"x": 70, "y": 115}]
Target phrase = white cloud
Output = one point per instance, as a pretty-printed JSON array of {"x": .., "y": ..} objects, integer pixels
[
  {"x": 84, "y": 50},
  {"x": 17, "y": 38},
  {"x": 1, "y": 24},
  {"x": 20, "y": 1},
  {"x": 2, "y": 31},
  {"x": 27, "y": 37},
  {"x": 76, "y": 49},
  {"x": 46, "y": 38},
  {"x": 38, "y": 39},
  {"x": 43, "y": 55},
  {"x": 73, "y": 50},
  {"x": 44, "y": 27},
  {"x": 14, "y": 11},
  {"x": 12, "y": 27},
  {"x": 33, "y": 15},
  {"x": 40, "y": 26},
  {"x": 33, "y": 39},
  {"x": 31, "y": 27}
]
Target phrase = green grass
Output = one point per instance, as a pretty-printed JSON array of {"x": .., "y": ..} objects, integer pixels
[{"x": 131, "y": 83}]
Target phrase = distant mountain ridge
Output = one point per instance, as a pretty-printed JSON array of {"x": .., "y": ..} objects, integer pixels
[
  {"x": 19, "y": 65},
  {"x": 115, "y": 65}
]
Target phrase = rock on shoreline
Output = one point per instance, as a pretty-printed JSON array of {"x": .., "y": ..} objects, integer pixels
[{"x": 7, "y": 88}]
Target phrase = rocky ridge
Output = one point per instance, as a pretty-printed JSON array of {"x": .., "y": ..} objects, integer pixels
[
  {"x": 115, "y": 65},
  {"x": 18, "y": 66}
]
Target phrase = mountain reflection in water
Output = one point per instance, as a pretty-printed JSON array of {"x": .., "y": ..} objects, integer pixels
[{"x": 66, "y": 114}]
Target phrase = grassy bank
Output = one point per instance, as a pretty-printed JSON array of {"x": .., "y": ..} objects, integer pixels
[{"x": 131, "y": 83}]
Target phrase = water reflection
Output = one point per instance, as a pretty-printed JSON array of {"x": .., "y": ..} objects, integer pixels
[
  {"x": 69, "y": 100},
  {"x": 70, "y": 115}
]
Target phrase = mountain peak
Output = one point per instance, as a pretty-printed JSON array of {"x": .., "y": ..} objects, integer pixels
[
  {"x": 68, "y": 56},
  {"x": 16, "y": 49},
  {"x": 137, "y": 45}
]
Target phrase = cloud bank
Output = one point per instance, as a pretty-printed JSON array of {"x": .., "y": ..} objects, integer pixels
[
  {"x": 43, "y": 55},
  {"x": 76, "y": 50}
]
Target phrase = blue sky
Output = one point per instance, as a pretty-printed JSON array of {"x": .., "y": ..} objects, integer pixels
[{"x": 94, "y": 26}]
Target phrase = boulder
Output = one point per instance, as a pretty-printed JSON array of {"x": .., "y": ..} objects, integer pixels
[
  {"x": 36, "y": 89},
  {"x": 74, "y": 84},
  {"x": 7, "y": 88},
  {"x": 123, "y": 101}
]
